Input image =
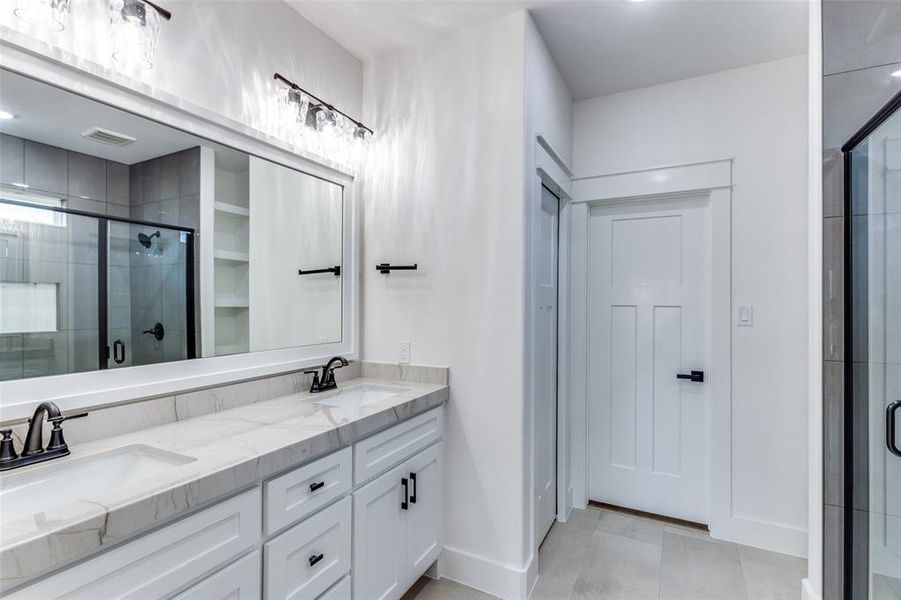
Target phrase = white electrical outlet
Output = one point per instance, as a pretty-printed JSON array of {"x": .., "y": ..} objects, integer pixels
[{"x": 403, "y": 355}]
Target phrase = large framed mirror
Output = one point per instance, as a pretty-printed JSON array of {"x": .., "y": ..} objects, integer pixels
[{"x": 129, "y": 244}]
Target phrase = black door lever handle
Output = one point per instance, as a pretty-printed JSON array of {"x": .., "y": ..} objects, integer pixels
[{"x": 694, "y": 376}]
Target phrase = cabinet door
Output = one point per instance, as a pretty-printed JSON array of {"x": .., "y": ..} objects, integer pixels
[
  {"x": 238, "y": 581},
  {"x": 378, "y": 556},
  {"x": 423, "y": 527}
]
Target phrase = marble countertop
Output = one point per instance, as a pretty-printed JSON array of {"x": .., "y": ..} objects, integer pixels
[{"x": 234, "y": 449}]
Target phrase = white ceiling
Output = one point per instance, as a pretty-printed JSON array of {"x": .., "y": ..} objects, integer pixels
[
  {"x": 600, "y": 47},
  {"x": 53, "y": 116}
]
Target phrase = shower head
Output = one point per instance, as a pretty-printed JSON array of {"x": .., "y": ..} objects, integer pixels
[{"x": 147, "y": 239}]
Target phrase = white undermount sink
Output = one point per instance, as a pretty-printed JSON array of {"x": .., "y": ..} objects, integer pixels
[
  {"x": 361, "y": 395},
  {"x": 53, "y": 484}
]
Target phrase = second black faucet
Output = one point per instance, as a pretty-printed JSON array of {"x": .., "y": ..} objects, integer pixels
[{"x": 327, "y": 380}]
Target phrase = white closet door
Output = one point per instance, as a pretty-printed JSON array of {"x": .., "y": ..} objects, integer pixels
[{"x": 648, "y": 313}]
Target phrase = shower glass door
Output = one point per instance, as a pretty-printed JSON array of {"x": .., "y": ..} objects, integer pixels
[
  {"x": 82, "y": 292},
  {"x": 873, "y": 368},
  {"x": 149, "y": 294}
]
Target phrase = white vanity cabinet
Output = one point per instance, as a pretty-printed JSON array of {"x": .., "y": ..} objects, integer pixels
[
  {"x": 363, "y": 522},
  {"x": 397, "y": 527}
]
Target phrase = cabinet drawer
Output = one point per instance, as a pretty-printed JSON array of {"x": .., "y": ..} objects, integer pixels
[
  {"x": 294, "y": 495},
  {"x": 382, "y": 451},
  {"x": 161, "y": 562},
  {"x": 339, "y": 591},
  {"x": 307, "y": 559},
  {"x": 238, "y": 581}
]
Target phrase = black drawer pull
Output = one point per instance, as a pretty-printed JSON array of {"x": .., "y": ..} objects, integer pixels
[
  {"x": 413, "y": 485},
  {"x": 694, "y": 376},
  {"x": 317, "y": 485},
  {"x": 404, "y": 504},
  {"x": 316, "y": 558}
]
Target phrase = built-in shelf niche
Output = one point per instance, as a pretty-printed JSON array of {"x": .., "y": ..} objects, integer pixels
[{"x": 231, "y": 216}]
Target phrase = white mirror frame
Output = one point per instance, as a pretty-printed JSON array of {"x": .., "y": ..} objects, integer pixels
[{"x": 19, "y": 398}]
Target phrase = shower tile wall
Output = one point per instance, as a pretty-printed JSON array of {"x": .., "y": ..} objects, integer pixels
[
  {"x": 66, "y": 256},
  {"x": 164, "y": 190},
  {"x": 861, "y": 49}
]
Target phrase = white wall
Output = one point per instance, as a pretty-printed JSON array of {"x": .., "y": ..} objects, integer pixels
[
  {"x": 756, "y": 115},
  {"x": 221, "y": 55},
  {"x": 548, "y": 113},
  {"x": 443, "y": 188}
]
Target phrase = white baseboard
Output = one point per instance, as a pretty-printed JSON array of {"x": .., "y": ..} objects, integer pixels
[
  {"x": 807, "y": 591},
  {"x": 761, "y": 534},
  {"x": 487, "y": 575}
]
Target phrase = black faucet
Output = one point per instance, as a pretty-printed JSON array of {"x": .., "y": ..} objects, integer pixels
[
  {"x": 33, "y": 450},
  {"x": 327, "y": 381}
]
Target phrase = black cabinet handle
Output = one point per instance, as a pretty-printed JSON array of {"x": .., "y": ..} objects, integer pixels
[
  {"x": 336, "y": 270},
  {"x": 317, "y": 485},
  {"x": 694, "y": 376},
  {"x": 316, "y": 558},
  {"x": 890, "y": 439},
  {"x": 404, "y": 504},
  {"x": 386, "y": 268},
  {"x": 413, "y": 485},
  {"x": 119, "y": 352}
]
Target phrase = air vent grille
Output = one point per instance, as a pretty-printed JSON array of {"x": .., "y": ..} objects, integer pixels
[{"x": 105, "y": 136}]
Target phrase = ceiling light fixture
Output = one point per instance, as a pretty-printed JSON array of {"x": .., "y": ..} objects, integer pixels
[
  {"x": 50, "y": 15},
  {"x": 320, "y": 116},
  {"x": 6, "y": 116},
  {"x": 135, "y": 31},
  {"x": 897, "y": 73}
]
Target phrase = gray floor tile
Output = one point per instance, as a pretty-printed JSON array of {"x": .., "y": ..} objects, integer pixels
[
  {"x": 697, "y": 569},
  {"x": 445, "y": 589},
  {"x": 563, "y": 555},
  {"x": 771, "y": 576},
  {"x": 619, "y": 567},
  {"x": 637, "y": 528}
]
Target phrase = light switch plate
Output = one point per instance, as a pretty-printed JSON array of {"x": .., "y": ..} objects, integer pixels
[
  {"x": 745, "y": 316},
  {"x": 403, "y": 355}
]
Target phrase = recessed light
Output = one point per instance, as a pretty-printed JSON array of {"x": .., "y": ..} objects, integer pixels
[
  {"x": 24, "y": 186},
  {"x": 897, "y": 73},
  {"x": 5, "y": 116},
  {"x": 636, "y": 1}
]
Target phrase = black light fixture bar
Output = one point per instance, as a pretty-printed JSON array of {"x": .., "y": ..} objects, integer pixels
[
  {"x": 162, "y": 11},
  {"x": 295, "y": 87}
]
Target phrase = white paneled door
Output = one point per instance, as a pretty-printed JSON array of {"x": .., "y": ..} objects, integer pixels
[
  {"x": 544, "y": 306},
  {"x": 648, "y": 323}
]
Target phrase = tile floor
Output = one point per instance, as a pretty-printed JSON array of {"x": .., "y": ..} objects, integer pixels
[{"x": 604, "y": 555}]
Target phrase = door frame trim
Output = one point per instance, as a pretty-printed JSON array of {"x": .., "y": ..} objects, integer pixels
[{"x": 713, "y": 178}]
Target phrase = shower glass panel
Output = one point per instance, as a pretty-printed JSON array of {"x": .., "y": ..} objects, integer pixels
[
  {"x": 48, "y": 292},
  {"x": 873, "y": 359},
  {"x": 80, "y": 292},
  {"x": 149, "y": 295}
]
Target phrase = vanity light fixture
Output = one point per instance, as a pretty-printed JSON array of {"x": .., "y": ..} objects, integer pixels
[
  {"x": 322, "y": 116},
  {"x": 50, "y": 15},
  {"x": 135, "y": 25}
]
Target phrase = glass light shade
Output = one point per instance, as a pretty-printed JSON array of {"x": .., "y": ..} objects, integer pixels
[
  {"x": 50, "y": 15},
  {"x": 135, "y": 28},
  {"x": 326, "y": 119}
]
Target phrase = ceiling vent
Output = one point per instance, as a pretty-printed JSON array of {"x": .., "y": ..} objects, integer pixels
[{"x": 105, "y": 136}]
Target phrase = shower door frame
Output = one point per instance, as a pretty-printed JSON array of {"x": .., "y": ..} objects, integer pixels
[
  {"x": 103, "y": 348},
  {"x": 852, "y": 560}
]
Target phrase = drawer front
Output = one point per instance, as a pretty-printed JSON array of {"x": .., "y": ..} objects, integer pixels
[
  {"x": 303, "y": 562},
  {"x": 382, "y": 451},
  {"x": 240, "y": 580},
  {"x": 339, "y": 591},
  {"x": 161, "y": 562},
  {"x": 294, "y": 495}
]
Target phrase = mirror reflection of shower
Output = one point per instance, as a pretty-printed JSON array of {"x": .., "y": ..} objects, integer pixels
[{"x": 147, "y": 240}]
